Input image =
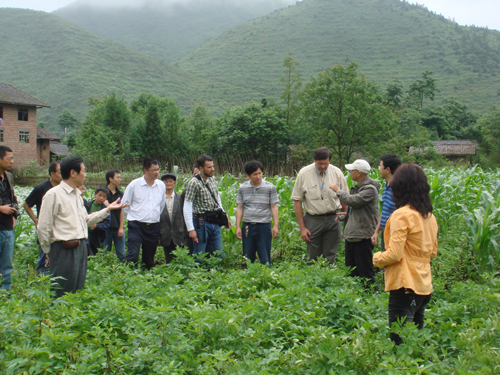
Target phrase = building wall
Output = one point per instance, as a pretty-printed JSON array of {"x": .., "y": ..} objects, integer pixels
[
  {"x": 23, "y": 152},
  {"x": 43, "y": 151}
]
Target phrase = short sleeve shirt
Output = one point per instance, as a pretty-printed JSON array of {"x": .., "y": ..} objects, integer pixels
[
  {"x": 36, "y": 195},
  {"x": 115, "y": 214},
  {"x": 388, "y": 205},
  {"x": 313, "y": 190},
  {"x": 257, "y": 201},
  {"x": 197, "y": 192}
]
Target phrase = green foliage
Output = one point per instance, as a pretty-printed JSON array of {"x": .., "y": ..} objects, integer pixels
[
  {"x": 490, "y": 138},
  {"x": 291, "y": 92},
  {"x": 346, "y": 112},
  {"x": 67, "y": 121}
]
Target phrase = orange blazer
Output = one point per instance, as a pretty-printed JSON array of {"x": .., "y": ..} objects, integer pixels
[{"x": 411, "y": 242}]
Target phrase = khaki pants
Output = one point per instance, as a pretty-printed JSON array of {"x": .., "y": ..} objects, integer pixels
[{"x": 325, "y": 236}]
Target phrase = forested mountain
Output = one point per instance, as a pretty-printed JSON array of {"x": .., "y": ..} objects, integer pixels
[
  {"x": 389, "y": 39},
  {"x": 62, "y": 65},
  {"x": 165, "y": 29}
]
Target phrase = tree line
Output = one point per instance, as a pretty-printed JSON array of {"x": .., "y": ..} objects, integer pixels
[{"x": 338, "y": 108}]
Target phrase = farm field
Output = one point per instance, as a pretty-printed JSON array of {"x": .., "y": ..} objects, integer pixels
[{"x": 287, "y": 319}]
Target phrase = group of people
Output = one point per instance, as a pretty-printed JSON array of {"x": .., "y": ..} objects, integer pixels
[{"x": 70, "y": 228}]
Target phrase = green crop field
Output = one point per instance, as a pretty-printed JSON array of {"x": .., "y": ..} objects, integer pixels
[{"x": 287, "y": 319}]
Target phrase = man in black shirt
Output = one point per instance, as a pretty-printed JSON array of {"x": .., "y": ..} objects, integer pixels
[
  {"x": 115, "y": 232},
  {"x": 8, "y": 213},
  {"x": 35, "y": 199}
]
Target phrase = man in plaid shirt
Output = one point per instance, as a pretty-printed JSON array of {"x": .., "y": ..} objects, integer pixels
[{"x": 202, "y": 200}]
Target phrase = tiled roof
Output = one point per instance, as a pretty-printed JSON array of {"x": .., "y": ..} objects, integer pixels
[
  {"x": 59, "y": 149},
  {"x": 460, "y": 147},
  {"x": 44, "y": 134},
  {"x": 10, "y": 95}
]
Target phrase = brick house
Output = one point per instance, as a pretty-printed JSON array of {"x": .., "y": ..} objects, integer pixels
[
  {"x": 49, "y": 147},
  {"x": 18, "y": 131}
]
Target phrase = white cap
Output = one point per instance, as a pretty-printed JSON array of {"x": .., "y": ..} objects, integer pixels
[{"x": 360, "y": 165}]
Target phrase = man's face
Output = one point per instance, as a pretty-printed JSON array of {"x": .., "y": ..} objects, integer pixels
[
  {"x": 208, "y": 169},
  {"x": 195, "y": 171},
  {"x": 256, "y": 177},
  {"x": 116, "y": 180},
  {"x": 153, "y": 171},
  {"x": 79, "y": 177},
  {"x": 384, "y": 172},
  {"x": 322, "y": 165},
  {"x": 169, "y": 184},
  {"x": 82, "y": 189},
  {"x": 100, "y": 197},
  {"x": 7, "y": 161},
  {"x": 355, "y": 175},
  {"x": 56, "y": 176}
]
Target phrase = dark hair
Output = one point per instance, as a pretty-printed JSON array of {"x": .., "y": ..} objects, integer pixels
[
  {"x": 73, "y": 163},
  {"x": 104, "y": 189},
  {"x": 391, "y": 161},
  {"x": 111, "y": 174},
  {"x": 4, "y": 150},
  {"x": 195, "y": 167},
  {"x": 53, "y": 166},
  {"x": 322, "y": 153},
  {"x": 148, "y": 163},
  {"x": 252, "y": 166},
  {"x": 200, "y": 162},
  {"x": 410, "y": 186}
]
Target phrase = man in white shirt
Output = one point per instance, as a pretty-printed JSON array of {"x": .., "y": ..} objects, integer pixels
[
  {"x": 146, "y": 197},
  {"x": 62, "y": 227}
]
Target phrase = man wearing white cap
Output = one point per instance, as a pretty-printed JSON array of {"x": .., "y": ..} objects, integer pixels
[{"x": 361, "y": 220}]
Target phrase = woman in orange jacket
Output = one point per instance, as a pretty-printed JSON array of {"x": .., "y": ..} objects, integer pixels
[{"x": 411, "y": 242}]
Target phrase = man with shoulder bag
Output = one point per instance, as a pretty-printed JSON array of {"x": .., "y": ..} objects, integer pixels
[{"x": 203, "y": 212}]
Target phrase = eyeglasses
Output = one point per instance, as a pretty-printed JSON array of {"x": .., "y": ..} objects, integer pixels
[{"x": 153, "y": 170}]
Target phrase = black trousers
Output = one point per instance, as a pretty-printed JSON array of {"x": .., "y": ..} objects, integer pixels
[
  {"x": 359, "y": 256},
  {"x": 168, "y": 252},
  {"x": 145, "y": 235},
  {"x": 405, "y": 304}
]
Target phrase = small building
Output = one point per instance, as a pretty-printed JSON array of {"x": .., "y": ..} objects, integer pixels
[
  {"x": 49, "y": 147},
  {"x": 18, "y": 130},
  {"x": 453, "y": 150}
]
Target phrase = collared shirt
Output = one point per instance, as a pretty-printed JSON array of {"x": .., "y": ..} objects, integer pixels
[
  {"x": 170, "y": 205},
  {"x": 257, "y": 201},
  {"x": 146, "y": 202},
  {"x": 197, "y": 192},
  {"x": 388, "y": 205},
  {"x": 63, "y": 216},
  {"x": 410, "y": 243},
  {"x": 308, "y": 189}
]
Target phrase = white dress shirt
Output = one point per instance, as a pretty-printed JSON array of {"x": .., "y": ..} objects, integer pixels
[
  {"x": 146, "y": 202},
  {"x": 170, "y": 205}
]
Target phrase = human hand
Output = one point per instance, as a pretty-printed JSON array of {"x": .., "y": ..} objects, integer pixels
[
  {"x": 116, "y": 205},
  {"x": 6, "y": 209},
  {"x": 238, "y": 233},
  {"x": 93, "y": 226},
  {"x": 193, "y": 236},
  {"x": 375, "y": 238},
  {"x": 120, "y": 233},
  {"x": 334, "y": 187},
  {"x": 229, "y": 225},
  {"x": 305, "y": 234},
  {"x": 275, "y": 231}
]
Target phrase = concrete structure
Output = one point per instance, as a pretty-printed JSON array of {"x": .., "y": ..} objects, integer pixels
[{"x": 18, "y": 131}]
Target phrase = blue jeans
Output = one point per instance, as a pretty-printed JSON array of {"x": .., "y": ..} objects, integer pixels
[
  {"x": 209, "y": 238},
  {"x": 6, "y": 257},
  {"x": 112, "y": 236},
  {"x": 257, "y": 239},
  {"x": 40, "y": 264}
]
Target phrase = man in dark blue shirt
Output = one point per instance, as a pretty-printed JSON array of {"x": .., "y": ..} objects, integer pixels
[
  {"x": 35, "y": 199},
  {"x": 388, "y": 165}
]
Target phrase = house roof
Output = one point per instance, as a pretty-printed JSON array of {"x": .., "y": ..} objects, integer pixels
[
  {"x": 44, "y": 134},
  {"x": 11, "y": 95},
  {"x": 460, "y": 147},
  {"x": 59, "y": 149},
  {"x": 455, "y": 148}
]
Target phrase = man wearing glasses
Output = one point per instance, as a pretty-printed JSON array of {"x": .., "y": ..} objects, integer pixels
[{"x": 146, "y": 196}]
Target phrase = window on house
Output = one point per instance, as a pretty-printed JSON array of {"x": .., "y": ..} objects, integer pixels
[
  {"x": 22, "y": 115},
  {"x": 1, "y": 112},
  {"x": 1, "y": 135},
  {"x": 24, "y": 136}
]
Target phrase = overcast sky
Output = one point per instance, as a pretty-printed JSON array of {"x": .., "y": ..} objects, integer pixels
[{"x": 466, "y": 12}]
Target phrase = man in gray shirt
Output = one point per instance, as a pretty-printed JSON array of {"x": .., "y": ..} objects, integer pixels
[{"x": 257, "y": 204}]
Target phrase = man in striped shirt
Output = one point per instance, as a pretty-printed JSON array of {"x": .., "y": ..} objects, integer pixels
[
  {"x": 388, "y": 165},
  {"x": 257, "y": 204}
]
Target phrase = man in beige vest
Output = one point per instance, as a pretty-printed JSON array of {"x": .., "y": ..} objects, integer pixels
[{"x": 319, "y": 226}]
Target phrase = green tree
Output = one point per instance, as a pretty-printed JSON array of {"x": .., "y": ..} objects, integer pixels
[
  {"x": 346, "y": 112},
  {"x": 116, "y": 118},
  {"x": 201, "y": 128},
  {"x": 423, "y": 88},
  {"x": 253, "y": 130},
  {"x": 394, "y": 93},
  {"x": 489, "y": 153},
  {"x": 290, "y": 95},
  {"x": 67, "y": 121}
]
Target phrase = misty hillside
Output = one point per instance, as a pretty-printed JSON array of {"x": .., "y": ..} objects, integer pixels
[
  {"x": 165, "y": 29},
  {"x": 62, "y": 65},
  {"x": 388, "y": 39}
]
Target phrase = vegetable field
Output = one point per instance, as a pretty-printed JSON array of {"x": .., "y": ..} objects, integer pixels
[{"x": 288, "y": 319}]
